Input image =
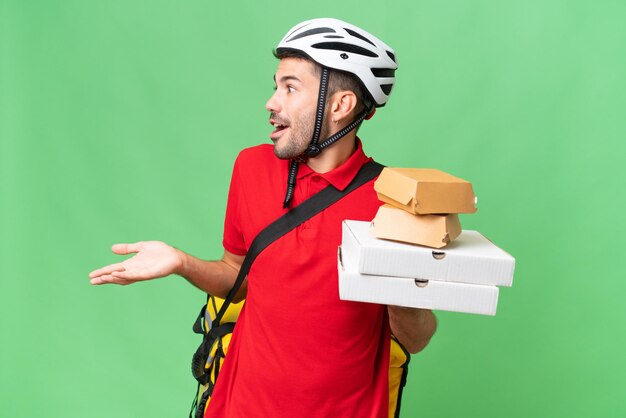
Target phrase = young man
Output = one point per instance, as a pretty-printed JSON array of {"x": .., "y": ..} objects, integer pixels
[{"x": 298, "y": 350}]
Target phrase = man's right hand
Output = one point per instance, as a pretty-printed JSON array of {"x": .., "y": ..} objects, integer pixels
[{"x": 152, "y": 259}]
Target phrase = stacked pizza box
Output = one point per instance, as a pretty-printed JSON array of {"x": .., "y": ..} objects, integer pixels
[{"x": 414, "y": 252}]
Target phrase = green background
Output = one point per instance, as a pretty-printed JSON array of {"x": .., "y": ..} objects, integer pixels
[{"x": 120, "y": 121}]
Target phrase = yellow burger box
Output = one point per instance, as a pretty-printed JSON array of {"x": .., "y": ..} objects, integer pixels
[{"x": 423, "y": 191}]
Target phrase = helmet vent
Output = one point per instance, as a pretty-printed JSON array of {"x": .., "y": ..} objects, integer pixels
[
  {"x": 333, "y": 36},
  {"x": 386, "y": 88},
  {"x": 383, "y": 72},
  {"x": 297, "y": 29},
  {"x": 393, "y": 57},
  {"x": 358, "y": 35},
  {"x": 340, "y": 46},
  {"x": 310, "y": 32}
]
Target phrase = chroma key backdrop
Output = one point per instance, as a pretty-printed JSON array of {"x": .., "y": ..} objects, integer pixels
[{"x": 120, "y": 122}]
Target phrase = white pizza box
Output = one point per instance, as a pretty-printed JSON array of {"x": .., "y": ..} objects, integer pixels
[
  {"x": 471, "y": 258},
  {"x": 425, "y": 294}
]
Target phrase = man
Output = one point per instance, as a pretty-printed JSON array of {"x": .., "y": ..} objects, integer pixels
[{"x": 298, "y": 350}]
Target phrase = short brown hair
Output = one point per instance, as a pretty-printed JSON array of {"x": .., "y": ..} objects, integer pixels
[{"x": 337, "y": 80}]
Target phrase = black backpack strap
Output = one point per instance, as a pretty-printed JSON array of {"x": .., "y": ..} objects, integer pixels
[{"x": 296, "y": 216}]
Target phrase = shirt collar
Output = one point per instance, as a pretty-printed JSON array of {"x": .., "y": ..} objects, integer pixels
[{"x": 341, "y": 176}]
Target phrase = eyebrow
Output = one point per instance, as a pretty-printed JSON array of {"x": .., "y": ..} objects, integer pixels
[{"x": 286, "y": 78}]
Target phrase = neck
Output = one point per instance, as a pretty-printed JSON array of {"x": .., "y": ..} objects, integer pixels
[{"x": 335, "y": 155}]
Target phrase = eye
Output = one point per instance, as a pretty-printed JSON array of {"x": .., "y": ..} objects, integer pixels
[{"x": 290, "y": 89}]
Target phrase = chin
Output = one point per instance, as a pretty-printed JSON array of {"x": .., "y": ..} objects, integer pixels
[
  {"x": 280, "y": 152},
  {"x": 287, "y": 152},
  {"x": 279, "y": 155}
]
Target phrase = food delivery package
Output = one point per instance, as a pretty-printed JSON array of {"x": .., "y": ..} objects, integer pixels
[
  {"x": 415, "y": 293},
  {"x": 431, "y": 230},
  {"x": 470, "y": 259},
  {"x": 423, "y": 191}
]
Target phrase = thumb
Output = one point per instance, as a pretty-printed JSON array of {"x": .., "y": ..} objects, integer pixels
[{"x": 126, "y": 248}]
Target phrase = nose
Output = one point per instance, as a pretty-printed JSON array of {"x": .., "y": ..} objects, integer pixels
[{"x": 272, "y": 104}]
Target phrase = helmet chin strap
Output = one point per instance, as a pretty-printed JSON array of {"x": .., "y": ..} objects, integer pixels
[{"x": 315, "y": 148}]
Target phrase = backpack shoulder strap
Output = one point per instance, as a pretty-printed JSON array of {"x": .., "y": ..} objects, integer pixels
[{"x": 296, "y": 216}]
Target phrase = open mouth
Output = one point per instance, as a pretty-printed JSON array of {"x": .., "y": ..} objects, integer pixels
[{"x": 279, "y": 129}]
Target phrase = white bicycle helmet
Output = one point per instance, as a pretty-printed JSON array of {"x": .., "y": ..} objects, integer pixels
[{"x": 339, "y": 45}]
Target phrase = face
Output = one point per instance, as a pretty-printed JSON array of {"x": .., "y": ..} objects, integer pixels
[{"x": 293, "y": 107}]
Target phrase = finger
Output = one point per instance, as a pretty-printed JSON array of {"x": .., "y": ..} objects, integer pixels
[
  {"x": 99, "y": 280},
  {"x": 106, "y": 270},
  {"x": 108, "y": 279},
  {"x": 124, "y": 275},
  {"x": 126, "y": 248},
  {"x": 132, "y": 276}
]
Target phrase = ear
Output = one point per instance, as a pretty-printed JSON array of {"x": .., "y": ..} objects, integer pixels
[{"x": 342, "y": 106}]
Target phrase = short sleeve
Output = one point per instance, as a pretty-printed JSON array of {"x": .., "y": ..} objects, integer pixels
[{"x": 233, "y": 237}]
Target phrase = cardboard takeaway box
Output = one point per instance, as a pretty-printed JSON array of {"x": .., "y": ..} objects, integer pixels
[
  {"x": 432, "y": 230},
  {"x": 423, "y": 191},
  {"x": 446, "y": 296},
  {"x": 471, "y": 258}
]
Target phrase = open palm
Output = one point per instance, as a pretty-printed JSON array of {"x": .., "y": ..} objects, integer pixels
[{"x": 152, "y": 259}]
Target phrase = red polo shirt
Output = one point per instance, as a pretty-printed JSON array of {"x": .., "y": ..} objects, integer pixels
[{"x": 298, "y": 350}]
